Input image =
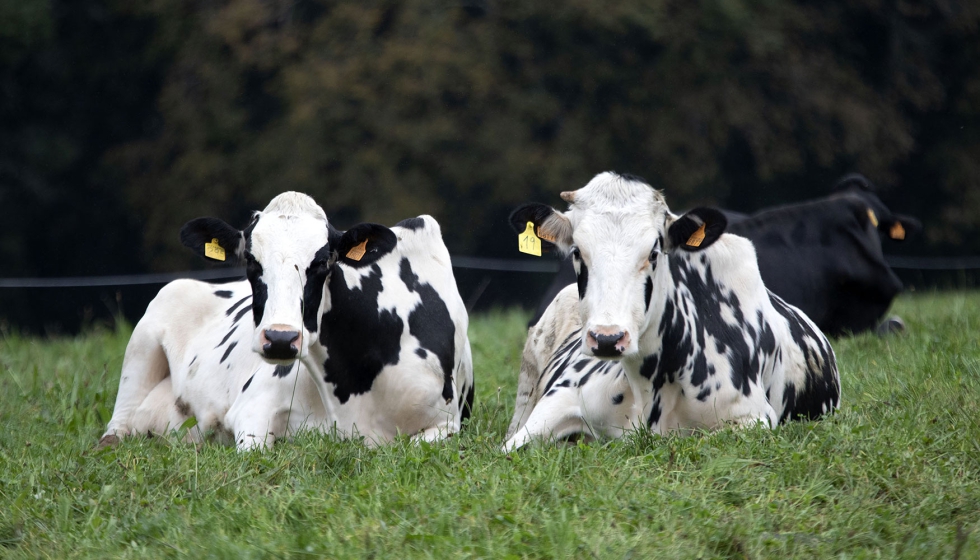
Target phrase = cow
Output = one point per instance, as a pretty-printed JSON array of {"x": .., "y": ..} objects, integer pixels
[
  {"x": 822, "y": 256},
  {"x": 362, "y": 333},
  {"x": 669, "y": 325}
]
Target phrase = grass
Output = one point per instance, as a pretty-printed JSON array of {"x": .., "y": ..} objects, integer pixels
[{"x": 895, "y": 474}]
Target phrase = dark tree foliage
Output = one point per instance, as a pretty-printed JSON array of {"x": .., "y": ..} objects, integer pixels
[{"x": 119, "y": 123}]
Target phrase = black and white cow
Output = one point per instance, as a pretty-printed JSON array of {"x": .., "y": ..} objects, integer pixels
[
  {"x": 362, "y": 332},
  {"x": 700, "y": 341},
  {"x": 822, "y": 256}
]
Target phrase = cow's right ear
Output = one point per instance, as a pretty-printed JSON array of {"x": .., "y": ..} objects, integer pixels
[
  {"x": 364, "y": 244},
  {"x": 550, "y": 225},
  {"x": 213, "y": 239}
]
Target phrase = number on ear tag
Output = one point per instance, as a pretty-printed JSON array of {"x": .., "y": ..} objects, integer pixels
[
  {"x": 528, "y": 242},
  {"x": 872, "y": 217},
  {"x": 357, "y": 252},
  {"x": 697, "y": 237},
  {"x": 214, "y": 250},
  {"x": 897, "y": 232}
]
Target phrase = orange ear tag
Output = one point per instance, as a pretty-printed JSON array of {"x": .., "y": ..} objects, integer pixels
[
  {"x": 897, "y": 232},
  {"x": 697, "y": 237},
  {"x": 357, "y": 252},
  {"x": 528, "y": 242},
  {"x": 214, "y": 251},
  {"x": 872, "y": 217}
]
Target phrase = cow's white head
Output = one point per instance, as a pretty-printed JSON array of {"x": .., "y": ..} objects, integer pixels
[
  {"x": 289, "y": 251},
  {"x": 618, "y": 230}
]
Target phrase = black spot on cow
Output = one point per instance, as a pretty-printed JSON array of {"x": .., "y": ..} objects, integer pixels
[
  {"x": 183, "y": 408},
  {"x": 421, "y": 353},
  {"x": 564, "y": 383},
  {"x": 655, "y": 411},
  {"x": 412, "y": 224},
  {"x": 242, "y": 313},
  {"x": 226, "y": 294},
  {"x": 194, "y": 359},
  {"x": 647, "y": 293},
  {"x": 360, "y": 338},
  {"x": 227, "y": 336},
  {"x": 704, "y": 394},
  {"x": 570, "y": 348},
  {"x": 618, "y": 399},
  {"x": 431, "y": 324},
  {"x": 551, "y": 392},
  {"x": 260, "y": 291},
  {"x": 228, "y": 351},
  {"x": 247, "y": 383},
  {"x": 316, "y": 279},
  {"x": 631, "y": 177},
  {"x": 236, "y": 305},
  {"x": 283, "y": 370},
  {"x": 583, "y": 279}
]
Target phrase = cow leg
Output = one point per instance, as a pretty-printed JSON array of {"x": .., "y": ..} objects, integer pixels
[
  {"x": 438, "y": 432},
  {"x": 144, "y": 367},
  {"x": 554, "y": 417}
]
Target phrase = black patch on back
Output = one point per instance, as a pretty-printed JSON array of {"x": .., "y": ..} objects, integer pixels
[
  {"x": 360, "y": 338},
  {"x": 247, "y": 383},
  {"x": 228, "y": 351},
  {"x": 283, "y": 370},
  {"x": 583, "y": 279},
  {"x": 412, "y": 224},
  {"x": 226, "y": 294},
  {"x": 431, "y": 324}
]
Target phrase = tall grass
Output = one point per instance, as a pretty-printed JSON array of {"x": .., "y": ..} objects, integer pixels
[{"x": 895, "y": 474}]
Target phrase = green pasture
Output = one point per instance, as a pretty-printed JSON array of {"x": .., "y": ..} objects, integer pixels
[{"x": 896, "y": 473}]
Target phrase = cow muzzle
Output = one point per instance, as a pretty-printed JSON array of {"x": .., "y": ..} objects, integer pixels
[
  {"x": 280, "y": 342},
  {"x": 607, "y": 342}
]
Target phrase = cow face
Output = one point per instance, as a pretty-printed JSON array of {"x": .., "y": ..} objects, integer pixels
[
  {"x": 619, "y": 232},
  {"x": 289, "y": 251}
]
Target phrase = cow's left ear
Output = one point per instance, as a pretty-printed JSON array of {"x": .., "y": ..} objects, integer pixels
[
  {"x": 899, "y": 227},
  {"x": 697, "y": 229},
  {"x": 213, "y": 239},
  {"x": 364, "y": 244}
]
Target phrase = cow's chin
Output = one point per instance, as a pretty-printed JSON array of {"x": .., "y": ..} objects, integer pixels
[{"x": 630, "y": 352}]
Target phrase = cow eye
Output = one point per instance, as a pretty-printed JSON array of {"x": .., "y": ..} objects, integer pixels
[{"x": 576, "y": 254}]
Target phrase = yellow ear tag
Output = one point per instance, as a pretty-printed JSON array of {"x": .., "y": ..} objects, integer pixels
[
  {"x": 897, "y": 232},
  {"x": 214, "y": 250},
  {"x": 356, "y": 252},
  {"x": 697, "y": 237},
  {"x": 872, "y": 217},
  {"x": 528, "y": 242}
]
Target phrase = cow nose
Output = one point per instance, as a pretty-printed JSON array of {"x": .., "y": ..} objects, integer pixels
[
  {"x": 279, "y": 345},
  {"x": 608, "y": 342}
]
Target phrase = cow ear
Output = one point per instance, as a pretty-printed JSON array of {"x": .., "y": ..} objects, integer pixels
[
  {"x": 899, "y": 227},
  {"x": 550, "y": 225},
  {"x": 697, "y": 229},
  {"x": 213, "y": 239},
  {"x": 364, "y": 244}
]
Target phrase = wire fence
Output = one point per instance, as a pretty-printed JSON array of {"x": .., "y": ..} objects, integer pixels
[{"x": 464, "y": 262}]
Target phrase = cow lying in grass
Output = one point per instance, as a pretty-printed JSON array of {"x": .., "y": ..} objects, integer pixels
[
  {"x": 699, "y": 341},
  {"x": 362, "y": 332}
]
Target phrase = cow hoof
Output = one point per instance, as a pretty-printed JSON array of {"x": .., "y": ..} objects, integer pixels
[
  {"x": 891, "y": 325},
  {"x": 108, "y": 440}
]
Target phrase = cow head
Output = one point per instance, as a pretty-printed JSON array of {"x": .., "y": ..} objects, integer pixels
[
  {"x": 619, "y": 232},
  {"x": 289, "y": 250},
  {"x": 897, "y": 227}
]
